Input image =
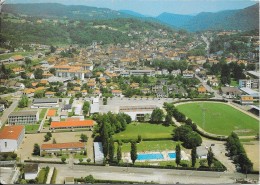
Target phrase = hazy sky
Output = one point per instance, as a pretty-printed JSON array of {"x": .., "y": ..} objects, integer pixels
[{"x": 156, "y": 7}]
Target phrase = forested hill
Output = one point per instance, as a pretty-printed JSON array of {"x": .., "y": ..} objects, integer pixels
[
  {"x": 243, "y": 19},
  {"x": 20, "y": 30},
  {"x": 55, "y": 10}
]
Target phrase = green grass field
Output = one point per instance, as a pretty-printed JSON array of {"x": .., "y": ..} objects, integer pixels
[
  {"x": 145, "y": 146},
  {"x": 220, "y": 118},
  {"x": 146, "y": 130},
  {"x": 31, "y": 128}
]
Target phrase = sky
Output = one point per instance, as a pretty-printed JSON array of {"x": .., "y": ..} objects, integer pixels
[{"x": 156, "y": 7}]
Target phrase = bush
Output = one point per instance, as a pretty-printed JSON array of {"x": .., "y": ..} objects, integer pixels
[
  {"x": 184, "y": 163},
  {"x": 63, "y": 159},
  {"x": 89, "y": 179}
]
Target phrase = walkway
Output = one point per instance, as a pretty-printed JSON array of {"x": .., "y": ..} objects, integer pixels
[
  {"x": 50, "y": 175},
  {"x": 9, "y": 110}
]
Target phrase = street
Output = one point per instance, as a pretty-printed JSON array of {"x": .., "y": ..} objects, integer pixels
[
  {"x": 10, "y": 109},
  {"x": 162, "y": 176}
]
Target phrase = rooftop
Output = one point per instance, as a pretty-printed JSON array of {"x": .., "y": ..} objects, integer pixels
[
  {"x": 31, "y": 168},
  {"x": 23, "y": 113},
  {"x": 72, "y": 123},
  {"x": 63, "y": 145},
  {"x": 11, "y": 132},
  {"x": 45, "y": 100}
]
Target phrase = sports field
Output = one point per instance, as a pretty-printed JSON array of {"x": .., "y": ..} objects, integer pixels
[
  {"x": 220, "y": 118},
  {"x": 146, "y": 130}
]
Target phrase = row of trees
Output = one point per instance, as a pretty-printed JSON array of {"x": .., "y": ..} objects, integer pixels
[
  {"x": 238, "y": 154},
  {"x": 23, "y": 102}
]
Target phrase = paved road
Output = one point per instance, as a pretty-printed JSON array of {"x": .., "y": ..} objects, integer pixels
[
  {"x": 162, "y": 176},
  {"x": 209, "y": 89},
  {"x": 10, "y": 109}
]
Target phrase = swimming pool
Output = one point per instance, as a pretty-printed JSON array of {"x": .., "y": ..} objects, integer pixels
[
  {"x": 172, "y": 155},
  {"x": 149, "y": 156}
]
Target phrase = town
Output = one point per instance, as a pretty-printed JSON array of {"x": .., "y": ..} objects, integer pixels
[{"x": 119, "y": 112}]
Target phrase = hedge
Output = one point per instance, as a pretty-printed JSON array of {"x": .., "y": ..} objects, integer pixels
[
  {"x": 202, "y": 99},
  {"x": 114, "y": 181},
  {"x": 54, "y": 175},
  {"x": 39, "y": 161},
  {"x": 89, "y": 164},
  {"x": 144, "y": 139},
  {"x": 171, "y": 167},
  {"x": 218, "y": 138}
]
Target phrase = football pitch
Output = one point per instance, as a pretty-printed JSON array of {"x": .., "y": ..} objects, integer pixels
[{"x": 220, "y": 118}]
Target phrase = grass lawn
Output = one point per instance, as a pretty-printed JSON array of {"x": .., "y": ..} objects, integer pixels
[
  {"x": 43, "y": 111},
  {"x": 146, "y": 130},
  {"x": 150, "y": 146},
  {"x": 31, "y": 128},
  {"x": 234, "y": 83},
  {"x": 8, "y": 55},
  {"x": 220, "y": 118}
]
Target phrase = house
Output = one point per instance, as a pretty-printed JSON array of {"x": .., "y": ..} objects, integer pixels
[
  {"x": 11, "y": 137},
  {"x": 2, "y": 107},
  {"x": 161, "y": 94},
  {"x": 23, "y": 118},
  {"x": 202, "y": 89},
  {"x": 31, "y": 171},
  {"x": 84, "y": 92},
  {"x": 49, "y": 94},
  {"x": 98, "y": 153},
  {"x": 72, "y": 147},
  {"x": 229, "y": 92},
  {"x": 187, "y": 74},
  {"x": 246, "y": 100},
  {"x": 72, "y": 124},
  {"x": 142, "y": 72},
  {"x": 117, "y": 93},
  {"x": 45, "y": 103},
  {"x": 137, "y": 112},
  {"x": 29, "y": 92}
]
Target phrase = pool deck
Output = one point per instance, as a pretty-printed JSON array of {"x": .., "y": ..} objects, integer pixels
[{"x": 127, "y": 157}]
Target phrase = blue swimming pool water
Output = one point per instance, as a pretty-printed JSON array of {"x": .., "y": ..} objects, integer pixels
[
  {"x": 172, "y": 155},
  {"x": 149, "y": 156}
]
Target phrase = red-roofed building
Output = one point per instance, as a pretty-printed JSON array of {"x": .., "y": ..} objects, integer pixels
[
  {"x": 71, "y": 124},
  {"x": 11, "y": 137},
  {"x": 63, "y": 147},
  {"x": 51, "y": 113}
]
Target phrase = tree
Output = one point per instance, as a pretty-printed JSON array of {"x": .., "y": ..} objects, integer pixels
[
  {"x": 105, "y": 139},
  {"x": 23, "y": 102},
  {"x": 80, "y": 160},
  {"x": 168, "y": 120},
  {"x": 157, "y": 115},
  {"x": 47, "y": 137},
  {"x": 133, "y": 152},
  {"x": 89, "y": 179},
  {"x": 71, "y": 100},
  {"x": 85, "y": 108},
  {"x": 118, "y": 153},
  {"x": 225, "y": 74},
  {"x": 39, "y": 94},
  {"x": 111, "y": 149},
  {"x": 178, "y": 154},
  {"x": 210, "y": 157},
  {"x": 139, "y": 139},
  {"x": 36, "y": 149},
  {"x": 84, "y": 137},
  {"x": 38, "y": 73},
  {"x": 88, "y": 160},
  {"x": 193, "y": 156},
  {"x": 23, "y": 75},
  {"x": 63, "y": 159},
  {"x": 52, "y": 71},
  {"x": 105, "y": 101},
  {"x": 54, "y": 141},
  {"x": 52, "y": 49},
  {"x": 28, "y": 61}
]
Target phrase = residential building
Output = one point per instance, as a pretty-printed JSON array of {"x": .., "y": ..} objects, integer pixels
[
  {"x": 31, "y": 171},
  {"x": 66, "y": 71},
  {"x": 72, "y": 147},
  {"x": 249, "y": 83},
  {"x": 117, "y": 93},
  {"x": 188, "y": 74},
  {"x": 72, "y": 124},
  {"x": 142, "y": 72},
  {"x": 45, "y": 103},
  {"x": 23, "y": 118},
  {"x": 11, "y": 137}
]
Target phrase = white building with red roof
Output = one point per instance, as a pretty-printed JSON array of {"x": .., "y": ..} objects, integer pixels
[
  {"x": 11, "y": 137},
  {"x": 63, "y": 147}
]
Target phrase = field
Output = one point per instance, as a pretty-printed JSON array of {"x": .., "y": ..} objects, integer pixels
[
  {"x": 31, "y": 128},
  {"x": 145, "y": 146},
  {"x": 146, "y": 130},
  {"x": 220, "y": 118},
  {"x": 252, "y": 151}
]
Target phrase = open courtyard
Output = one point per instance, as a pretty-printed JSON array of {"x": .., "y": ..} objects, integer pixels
[{"x": 220, "y": 118}]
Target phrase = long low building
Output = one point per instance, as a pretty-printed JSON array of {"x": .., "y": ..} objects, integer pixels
[
  {"x": 45, "y": 103},
  {"x": 137, "y": 112},
  {"x": 72, "y": 147},
  {"x": 11, "y": 137},
  {"x": 72, "y": 124},
  {"x": 23, "y": 117}
]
